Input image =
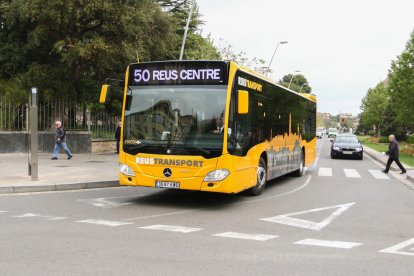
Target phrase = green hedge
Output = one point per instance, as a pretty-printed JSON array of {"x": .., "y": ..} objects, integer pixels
[
  {"x": 410, "y": 139},
  {"x": 383, "y": 139}
]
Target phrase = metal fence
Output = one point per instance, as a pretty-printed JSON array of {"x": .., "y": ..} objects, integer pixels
[{"x": 74, "y": 116}]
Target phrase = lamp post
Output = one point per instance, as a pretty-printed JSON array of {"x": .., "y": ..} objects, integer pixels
[
  {"x": 297, "y": 71},
  {"x": 302, "y": 86},
  {"x": 277, "y": 46},
  {"x": 186, "y": 30}
]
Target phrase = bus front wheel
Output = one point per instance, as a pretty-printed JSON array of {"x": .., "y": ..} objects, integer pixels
[{"x": 261, "y": 178}]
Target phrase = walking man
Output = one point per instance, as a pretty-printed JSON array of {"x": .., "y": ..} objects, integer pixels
[
  {"x": 118, "y": 136},
  {"x": 60, "y": 141},
  {"x": 393, "y": 155}
]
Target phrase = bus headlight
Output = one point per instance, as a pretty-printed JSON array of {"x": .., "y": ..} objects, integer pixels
[
  {"x": 216, "y": 175},
  {"x": 126, "y": 170}
]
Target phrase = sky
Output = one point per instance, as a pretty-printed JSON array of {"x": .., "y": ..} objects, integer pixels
[{"x": 343, "y": 48}]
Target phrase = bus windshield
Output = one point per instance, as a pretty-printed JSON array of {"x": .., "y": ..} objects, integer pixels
[{"x": 176, "y": 120}]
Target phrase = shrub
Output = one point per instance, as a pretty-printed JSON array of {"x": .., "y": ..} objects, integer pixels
[
  {"x": 383, "y": 139},
  {"x": 410, "y": 139},
  {"x": 408, "y": 151},
  {"x": 373, "y": 139}
]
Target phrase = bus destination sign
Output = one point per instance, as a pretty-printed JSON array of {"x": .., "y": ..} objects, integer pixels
[{"x": 178, "y": 73}]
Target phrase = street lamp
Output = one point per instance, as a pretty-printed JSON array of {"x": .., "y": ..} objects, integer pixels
[
  {"x": 277, "y": 46},
  {"x": 186, "y": 30},
  {"x": 297, "y": 71},
  {"x": 302, "y": 86}
]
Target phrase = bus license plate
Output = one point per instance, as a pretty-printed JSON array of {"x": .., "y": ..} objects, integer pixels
[{"x": 167, "y": 184}]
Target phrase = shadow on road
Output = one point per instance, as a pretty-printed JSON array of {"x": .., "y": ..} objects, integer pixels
[{"x": 182, "y": 199}]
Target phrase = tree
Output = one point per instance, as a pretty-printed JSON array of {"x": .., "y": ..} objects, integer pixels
[
  {"x": 298, "y": 81},
  {"x": 401, "y": 85},
  {"x": 68, "y": 48},
  {"x": 374, "y": 105},
  {"x": 228, "y": 53}
]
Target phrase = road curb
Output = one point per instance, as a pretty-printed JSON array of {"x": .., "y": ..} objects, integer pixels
[
  {"x": 58, "y": 187},
  {"x": 375, "y": 155}
]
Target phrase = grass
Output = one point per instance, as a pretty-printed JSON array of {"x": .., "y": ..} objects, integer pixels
[{"x": 380, "y": 147}]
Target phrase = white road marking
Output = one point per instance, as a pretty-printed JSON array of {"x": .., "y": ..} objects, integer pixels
[
  {"x": 105, "y": 202},
  {"x": 325, "y": 172},
  {"x": 31, "y": 215},
  {"x": 378, "y": 174},
  {"x": 318, "y": 154},
  {"x": 171, "y": 228},
  {"x": 245, "y": 236},
  {"x": 104, "y": 222},
  {"x": 278, "y": 195},
  {"x": 351, "y": 173},
  {"x": 3, "y": 211},
  {"x": 288, "y": 220},
  {"x": 164, "y": 214},
  {"x": 326, "y": 243},
  {"x": 396, "y": 249}
]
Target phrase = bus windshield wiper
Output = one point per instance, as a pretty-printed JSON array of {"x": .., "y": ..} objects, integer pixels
[{"x": 206, "y": 152}]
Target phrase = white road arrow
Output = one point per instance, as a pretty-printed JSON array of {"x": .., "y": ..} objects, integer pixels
[
  {"x": 289, "y": 220},
  {"x": 396, "y": 249}
]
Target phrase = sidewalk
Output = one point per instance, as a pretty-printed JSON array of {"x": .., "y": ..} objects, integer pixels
[
  {"x": 383, "y": 160},
  {"x": 83, "y": 171}
]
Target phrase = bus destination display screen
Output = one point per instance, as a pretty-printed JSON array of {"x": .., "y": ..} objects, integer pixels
[{"x": 178, "y": 73}]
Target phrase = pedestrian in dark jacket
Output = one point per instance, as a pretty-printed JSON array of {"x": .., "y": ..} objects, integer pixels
[
  {"x": 60, "y": 141},
  {"x": 118, "y": 136},
  {"x": 393, "y": 155}
]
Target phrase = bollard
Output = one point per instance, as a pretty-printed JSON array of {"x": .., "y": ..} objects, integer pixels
[{"x": 33, "y": 138}]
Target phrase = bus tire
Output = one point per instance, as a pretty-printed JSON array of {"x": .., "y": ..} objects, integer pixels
[
  {"x": 299, "y": 172},
  {"x": 261, "y": 178}
]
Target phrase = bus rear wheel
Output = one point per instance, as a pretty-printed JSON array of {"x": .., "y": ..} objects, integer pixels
[
  {"x": 299, "y": 172},
  {"x": 261, "y": 178}
]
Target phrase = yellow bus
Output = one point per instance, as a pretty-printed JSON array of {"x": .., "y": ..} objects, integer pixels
[{"x": 211, "y": 126}]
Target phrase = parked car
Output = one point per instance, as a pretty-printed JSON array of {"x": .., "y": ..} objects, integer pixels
[
  {"x": 332, "y": 132},
  {"x": 319, "y": 133},
  {"x": 346, "y": 145}
]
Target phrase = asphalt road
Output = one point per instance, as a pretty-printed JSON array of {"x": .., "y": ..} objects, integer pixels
[{"x": 343, "y": 217}]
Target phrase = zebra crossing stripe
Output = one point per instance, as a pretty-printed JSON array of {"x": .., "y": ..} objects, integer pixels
[
  {"x": 31, "y": 215},
  {"x": 326, "y": 243},
  {"x": 378, "y": 174},
  {"x": 351, "y": 173},
  {"x": 325, "y": 172},
  {"x": 104, "y": 222},
  {"x": 245, "y": 236},
  {"x": 171, "y": 228}
]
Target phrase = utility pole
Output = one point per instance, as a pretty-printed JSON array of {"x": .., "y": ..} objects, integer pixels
[{"x": 186, "y": 30}]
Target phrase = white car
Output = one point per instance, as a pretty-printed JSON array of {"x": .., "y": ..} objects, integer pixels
[
  {"x": 319, "y": 133},
  {"x": 332, "y": 132}
]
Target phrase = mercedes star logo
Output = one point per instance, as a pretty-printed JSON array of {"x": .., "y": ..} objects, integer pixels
[{"x": 167, "y": 172}]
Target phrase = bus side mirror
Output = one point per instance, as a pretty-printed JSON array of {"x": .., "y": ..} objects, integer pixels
[
  {"x": 243, "y": 102},
  {"x": 106, "y": 88}
]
